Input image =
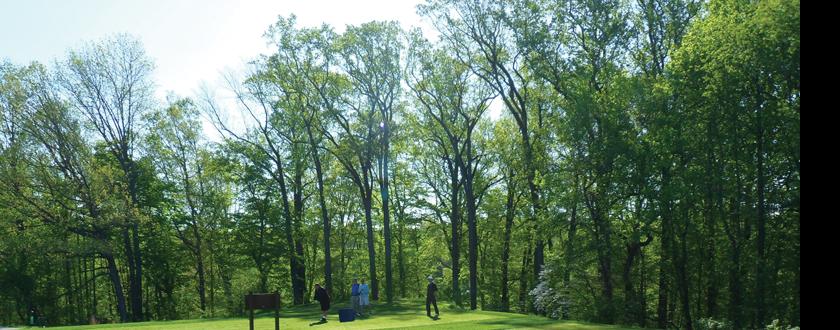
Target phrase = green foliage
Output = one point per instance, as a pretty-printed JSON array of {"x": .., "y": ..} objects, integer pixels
[{"x": 621, "y": 162}]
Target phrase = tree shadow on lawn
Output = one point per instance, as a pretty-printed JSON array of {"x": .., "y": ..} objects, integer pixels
[
  {"x": 529, "y": 322},
  {"x": 518, "y": 323},
  {"x": 317, "y": 323}
]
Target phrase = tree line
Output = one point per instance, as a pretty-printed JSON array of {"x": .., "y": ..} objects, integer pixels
[{"x": 625, "y": 162}]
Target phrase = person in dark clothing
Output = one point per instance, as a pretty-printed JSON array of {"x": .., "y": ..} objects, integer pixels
[
  {"x": 323, "y": 297},
  {"x": 355, "y": 297},
  {"x": 431, "y": 297}
]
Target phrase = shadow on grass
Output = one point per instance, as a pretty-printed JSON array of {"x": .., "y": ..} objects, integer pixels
[
  {"x": 318, "y": 323},
  {"x": 542, "y": 323},
  {"x": 396, "y": 316},
  {"x": 409, "y": 317},
  {"x": 521, "y": 322}
]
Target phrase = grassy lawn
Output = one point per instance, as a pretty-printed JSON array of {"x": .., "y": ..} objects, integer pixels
[{"x": 399, "y": 316}]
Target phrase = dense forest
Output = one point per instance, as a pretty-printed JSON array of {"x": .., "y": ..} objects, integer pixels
[{"x": 622, "y": 162}]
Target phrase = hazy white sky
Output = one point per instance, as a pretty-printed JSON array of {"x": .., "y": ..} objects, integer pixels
[{"x": 191, "y": 41}]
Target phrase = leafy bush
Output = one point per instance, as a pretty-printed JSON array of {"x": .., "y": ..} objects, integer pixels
[
  {"x": 709, "y": 323},
  {"x": 777, "y": 325},
  {"x": 547, "y": 300}
]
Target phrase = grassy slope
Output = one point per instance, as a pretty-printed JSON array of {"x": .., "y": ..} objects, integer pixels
[{"x": 407, "y": 315}]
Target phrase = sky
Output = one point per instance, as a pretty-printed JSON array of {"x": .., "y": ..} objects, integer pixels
[{"x": 191, "y": 41}]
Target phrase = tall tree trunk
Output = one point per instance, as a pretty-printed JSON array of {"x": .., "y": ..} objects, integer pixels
[
  {"x": 201, "y": 283},
  {"x": 536, "y": 205},
  {"x": 641, "y": 313},
  {"x": 386, "y": 214},
  {"x": 227, "y": 287},
  {"x": 300, "y": 272},
  {"x": 367, "y": 201},
  {"x": 128, "y": 246},
  {"x": 662, "y": 319},
  {"x": 134, "y": 255},
  {"x": 737, "y": 234},
  {"x": 524, "y": 302},
  {"x": 297, "y": 296},
  {"x": 631, "y": 299},
  {"x": 710, "y": 210},
  {"x": 137, "y": 285},
  {"x": 761, "y": 271},
  {"x": 401, "y": 259},
  {"x": 736, "y": 291},
  {"x": 212, "y": 280},
  {"x": 682, "y": 280},
  {"x": 509, "y": 217},
  {"x": 95, "y": 299},
  {"x": 796, "y": 310},
  {"x": 455, "y": 244},
  {"x": 343, "y": 248},
  {"x": 290, "y": 244},
  {"x": 400, "y": 219},
  {"x": 199, "y": 262},
  {"x": 606, "y": 310},
  {"x": 325, "y": 218},
  {"x": 570, "y": 259},
  {"x": 662, "y": 304},
  {"x": 69, "y": 293},
  {"x": 116, "y": 282},
  {"x": 322, "y": 202},
  {"x": 85, "y": 298},
  {"x": 473, "y": 237}
]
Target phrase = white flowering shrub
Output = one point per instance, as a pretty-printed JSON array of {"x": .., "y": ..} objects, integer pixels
[
  {"x": 777, "y": 325},
  {"x": 712, "y": 324},
  {"x": 709, "y": 323},
  {"x": 546, "y": 299}
]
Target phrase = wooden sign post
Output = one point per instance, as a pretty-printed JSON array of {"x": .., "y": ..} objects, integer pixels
[{"x": 263, "y": 301}]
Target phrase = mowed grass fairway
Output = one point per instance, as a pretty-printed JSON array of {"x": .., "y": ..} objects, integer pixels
[{"x": 399, "y": 316}]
